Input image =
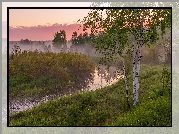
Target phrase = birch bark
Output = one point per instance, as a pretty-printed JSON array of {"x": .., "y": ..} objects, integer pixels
[
  {"x": 125, "y": 79},
  {"x": 134, "y": 74},
  {"x": 136, "y": 64},
  {"x": 139, "y": 58},
  {"x": 140, "y": 54},
  {"x": 134, "y": 67}
]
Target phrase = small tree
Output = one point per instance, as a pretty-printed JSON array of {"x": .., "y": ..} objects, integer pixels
[
  {"x": 59, "y": 39},
  {"x": 86, "y": 37},
  {"x": 81, "y": 39},
  {"x": 74, "y": 38}
]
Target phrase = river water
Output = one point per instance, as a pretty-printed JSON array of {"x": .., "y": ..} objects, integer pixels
[{"x": 100, "y": 78}]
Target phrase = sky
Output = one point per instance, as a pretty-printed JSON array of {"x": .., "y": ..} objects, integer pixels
[
  {"x": 41, "y": 24},
  {"x": 35, "y": 17}
]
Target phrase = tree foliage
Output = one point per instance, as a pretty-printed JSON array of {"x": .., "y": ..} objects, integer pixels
[
  {"x": 79, "y": 39},
  {"x": 74, "y": 38},
  {"x": 174, "y": 5},
  {"x": 119, "y": 24},
  {"x": 126, "y": 31},
  {"x": 59, "y": 38}
]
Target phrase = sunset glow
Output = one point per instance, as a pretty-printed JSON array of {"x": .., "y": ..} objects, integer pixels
[{"x": 41, "y": 24}]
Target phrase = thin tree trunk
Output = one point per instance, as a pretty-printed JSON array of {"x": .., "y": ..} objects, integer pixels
[
  {"x": 134, "y": 54},
  {"x": 139, "y": 58},
  {"x": 138, "y": 69},
  {"x": 125, "y": 79},
  {"x": 134, "y": 75}
]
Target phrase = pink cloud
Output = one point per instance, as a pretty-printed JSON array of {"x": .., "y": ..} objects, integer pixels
[{"x": 42, "y": 32}]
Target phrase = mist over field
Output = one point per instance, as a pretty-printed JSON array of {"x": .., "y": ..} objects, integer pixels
[
  {"x": 46, "y": 46},
  {"x": 100, "y": 78}
]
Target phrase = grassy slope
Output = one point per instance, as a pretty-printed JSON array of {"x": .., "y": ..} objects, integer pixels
[{"x": 105, "y": 107}]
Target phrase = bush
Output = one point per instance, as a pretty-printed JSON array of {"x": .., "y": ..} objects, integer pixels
[{"x": 40, "y": 69}]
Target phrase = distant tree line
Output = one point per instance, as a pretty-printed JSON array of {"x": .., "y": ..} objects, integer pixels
[
  {"x": 80, "y": 39},
  {"x": 26, "y": 41},
  {"x": 60, "y": 38}
]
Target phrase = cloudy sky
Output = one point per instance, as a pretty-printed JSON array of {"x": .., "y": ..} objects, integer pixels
[{"x": 41, "y": 24}]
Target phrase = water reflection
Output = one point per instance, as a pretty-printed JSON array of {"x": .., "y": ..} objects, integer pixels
[{"x": 99, "y": 79}]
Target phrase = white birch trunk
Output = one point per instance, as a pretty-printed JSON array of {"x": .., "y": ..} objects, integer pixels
[
  {"x": 134, "y": 71},
  {"x": 125, "y": 79},
  {"x": 138, "y": 69},
  {"x": 135, "y": 80},
  {"x": 136, "y": 64},
  {"x": 139, "y": 56},
  {"x": 137, "y": 77}
]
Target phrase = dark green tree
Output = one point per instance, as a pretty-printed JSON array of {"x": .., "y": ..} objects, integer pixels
[
  {"x": 74, "y": 39},
  {"x": 81, "y": 39},
  {"x": 59, "y": 39},
  {"x": 86, "y": 37}
]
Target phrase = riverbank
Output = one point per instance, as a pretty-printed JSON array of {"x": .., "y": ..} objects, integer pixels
[
  {"x": 34, "y": 80},
  {"x": 101, "y": 79},
  {"x": 107, "y": 106}
]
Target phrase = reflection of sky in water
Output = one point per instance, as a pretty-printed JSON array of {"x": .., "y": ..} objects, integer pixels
[
  {"x": 98, "y": 82},
  {"x": 102, "y": 80}
]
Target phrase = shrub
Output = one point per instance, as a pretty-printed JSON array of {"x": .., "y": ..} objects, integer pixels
[{"x": 38, "y": 68}]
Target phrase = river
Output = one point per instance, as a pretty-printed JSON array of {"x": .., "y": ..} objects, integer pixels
[{"x": 101, "y": 78}]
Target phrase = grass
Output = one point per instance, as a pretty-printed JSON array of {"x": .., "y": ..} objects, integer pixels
[
  {"x": 156, "y": 112},
  {"x": 107, "y": 106}
]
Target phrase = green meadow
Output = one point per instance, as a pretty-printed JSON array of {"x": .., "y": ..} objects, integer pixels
[{"x": 107, "y": 106}]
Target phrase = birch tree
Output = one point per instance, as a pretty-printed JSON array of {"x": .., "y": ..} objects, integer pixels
[{"x": 125, "y": 31}]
